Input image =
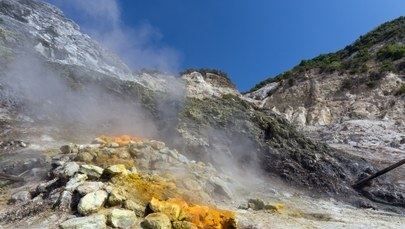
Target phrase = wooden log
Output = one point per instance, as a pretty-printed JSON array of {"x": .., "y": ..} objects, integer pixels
[{"x": 364, "y": 181}]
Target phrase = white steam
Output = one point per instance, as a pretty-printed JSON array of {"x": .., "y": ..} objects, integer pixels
[
  {"x": 87, "y": 110},
  {"x": 140, "y": 46}
]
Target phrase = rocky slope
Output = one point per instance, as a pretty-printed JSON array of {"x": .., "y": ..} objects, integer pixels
[
  {"x": 352, "y": 99},
  {"x": 40, "y": 27},
  {"x": 219, "y": 151}
]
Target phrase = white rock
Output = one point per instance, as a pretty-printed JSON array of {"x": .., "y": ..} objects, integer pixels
[
  {"x": 120, "y": 218},
  {"x": 92, "y": 202}
]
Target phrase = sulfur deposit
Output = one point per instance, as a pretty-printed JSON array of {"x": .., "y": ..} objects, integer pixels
[{"x": 148, "y": 183}]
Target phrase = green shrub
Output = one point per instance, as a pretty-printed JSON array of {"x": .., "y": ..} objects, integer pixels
[
  {"x": 392, "y": 52},
  {"x": 387, "y": 66}
]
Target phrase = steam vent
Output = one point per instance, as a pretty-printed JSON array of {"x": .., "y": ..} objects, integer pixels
[{"x": 88, "y": 143}]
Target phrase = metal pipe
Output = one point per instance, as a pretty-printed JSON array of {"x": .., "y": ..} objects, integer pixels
[{"x": 362, "y": 182}]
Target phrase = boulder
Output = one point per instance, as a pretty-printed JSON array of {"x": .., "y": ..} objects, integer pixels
[
  {"x": 89, "y": 222},
  {"x": 88, "y": 187},
  {"x": 69, "y": 169},
  {"x": 74, "y": 182},
  {"x": 92, "y": 202},
  {"x": 116, "y": 170},
  {"x": 157, "y": 221},
  {"x": 122, "y": 218},
  {"x": 117, "y": 196},
  {"x": 91, "y": 171}
]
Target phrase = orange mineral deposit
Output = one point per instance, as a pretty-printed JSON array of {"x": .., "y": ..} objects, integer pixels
[
  {"x": 202, "y": 216},
  {"x": 122, "y": 140}
]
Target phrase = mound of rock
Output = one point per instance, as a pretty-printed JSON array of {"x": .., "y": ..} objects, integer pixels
[{"x": 124, "y": 181}]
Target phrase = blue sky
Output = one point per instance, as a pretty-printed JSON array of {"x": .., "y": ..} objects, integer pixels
[{"x": 250, "y": 40}]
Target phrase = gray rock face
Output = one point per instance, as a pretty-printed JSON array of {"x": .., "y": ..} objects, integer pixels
[
  {"x": 44, "y": 29},
  {"x": 92, "y": 202},
  {"x": 89, "y": 222},
  {"x": 320, "y": 99}
]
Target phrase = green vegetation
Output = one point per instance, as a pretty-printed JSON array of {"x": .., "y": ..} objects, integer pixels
[
  {"x": 204, "y": 71},
  {"x": 376, "y": 51},
  {"x": 392, "y": 52},
  {"x": 386, "y": 66}
]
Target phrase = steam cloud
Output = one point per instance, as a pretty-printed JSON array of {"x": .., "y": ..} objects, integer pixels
[
  {"x": 50, "y": 100},
  {"x": 140, "y": 46}
]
